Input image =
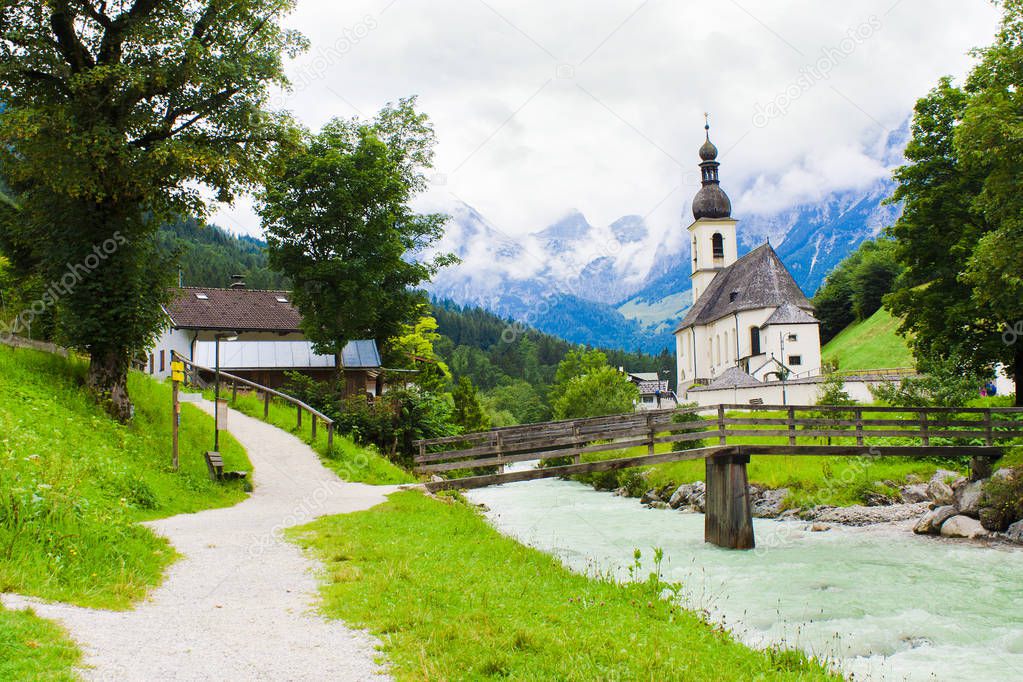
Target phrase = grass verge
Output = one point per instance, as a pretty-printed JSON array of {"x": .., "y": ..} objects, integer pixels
[
  {"x": 33, "y": 649},
  {"x": 453, "y": 599},
  {"x": 74, "y": 483},
  {"x": 350, "y": 461}
]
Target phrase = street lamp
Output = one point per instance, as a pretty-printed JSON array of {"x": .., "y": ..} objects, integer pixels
[{"x": 228, "y": 336}]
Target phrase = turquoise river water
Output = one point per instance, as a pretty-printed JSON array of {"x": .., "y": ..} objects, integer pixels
[{"x": 882, "y": 604}]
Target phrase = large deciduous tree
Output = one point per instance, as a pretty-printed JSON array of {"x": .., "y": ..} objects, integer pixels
[
  {"x": 961, "y": 231},
  {"x": 118, "y": 114},
  {"x": 338, "y": 224}
]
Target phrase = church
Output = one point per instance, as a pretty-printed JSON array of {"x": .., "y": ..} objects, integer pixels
[{"x": 749, "y": 324}]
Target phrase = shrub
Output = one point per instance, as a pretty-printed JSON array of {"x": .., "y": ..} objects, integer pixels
[{"x": 1004, "y": 498}]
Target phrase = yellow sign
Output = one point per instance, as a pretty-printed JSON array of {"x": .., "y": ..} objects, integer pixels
[
  {"x": 177, "y": 366},
  {"x": 177, "y": 376}
]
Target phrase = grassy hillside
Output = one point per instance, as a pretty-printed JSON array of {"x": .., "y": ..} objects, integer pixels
[
  {"x": 74, "y": 483},
  {"x": 870, "y": 344}
]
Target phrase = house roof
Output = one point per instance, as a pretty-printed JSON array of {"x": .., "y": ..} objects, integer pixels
[
  {"x": 758, "y": 280},
  {"x": 644, "y": 376},
  {"x": 790, "y": 314},
  {"x": 242, "y": 310},
  {"x": 733, "y": 377},
  {"x": 361, "y": 354}
]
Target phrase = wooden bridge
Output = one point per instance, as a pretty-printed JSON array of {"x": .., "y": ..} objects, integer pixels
[{"x": 725, "y": 436}]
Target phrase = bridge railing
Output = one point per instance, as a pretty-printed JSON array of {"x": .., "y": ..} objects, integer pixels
[{"x": 763, "y": 429}]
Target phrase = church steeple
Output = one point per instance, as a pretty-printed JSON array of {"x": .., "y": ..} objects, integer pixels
[
  {"x": 713, "y": 232},
  {"x": 710, "y": 201}
]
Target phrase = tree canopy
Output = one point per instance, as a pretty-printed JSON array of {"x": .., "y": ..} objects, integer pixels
[
  {"x": 338, "y": 225},
  {"x": 121, "y": 115},
  {"x": 961, "y": 231}
]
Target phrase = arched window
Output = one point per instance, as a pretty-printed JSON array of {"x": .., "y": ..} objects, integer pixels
[
  {"x": 754, "y": 340},
  {"x": 717, "y": 351},
  {"x": 718, "y": 244},
  {"x": 727, "y": 349}
]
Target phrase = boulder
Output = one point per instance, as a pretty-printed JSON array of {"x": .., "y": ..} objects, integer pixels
[
  {"x": 1004, "y": 474},
  {"x": 1015, "y": 532},
  {"x": 767, "y": 503},
  {"x": 658, "y": 504},
  {"x": 967, "y": 498},
  {"x": 930, "y": 523},
  {"x": 961, "y": 526},
  {"x": 819, "y": 527},
  {"x": 917, "y": 492},
  {"x": 940, "y": 492},
  {"x": 689, "y": 495},
  {"x": 649, "y": 497}
]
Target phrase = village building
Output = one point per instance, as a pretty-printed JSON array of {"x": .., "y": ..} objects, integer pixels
[
  {"x": 654, "y": 392},
  {"x": 750, "y": 324},
  {"x": 261, "y": 339}
]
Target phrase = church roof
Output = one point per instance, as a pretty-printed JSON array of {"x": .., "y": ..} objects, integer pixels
[
  {"x": 790, "y": 314},
  {"x": 757, "y": 280},
  {"x": 733, "y": 377}
]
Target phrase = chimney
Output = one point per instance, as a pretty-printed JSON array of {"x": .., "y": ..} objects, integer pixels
[{"x": 237, "y": 281}]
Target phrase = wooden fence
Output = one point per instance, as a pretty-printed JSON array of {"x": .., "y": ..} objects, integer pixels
[
  {"x": 849, "y": 430},
  {"x": 227, "y": 379}
]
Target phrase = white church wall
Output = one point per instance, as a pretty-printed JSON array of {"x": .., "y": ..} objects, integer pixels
[
  {"x": 802, "y": 393},
  {"x": 788, "y": 342}
]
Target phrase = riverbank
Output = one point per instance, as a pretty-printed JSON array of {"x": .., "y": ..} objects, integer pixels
[
  {"x": 449, "y": 596},
  {"x": 877, "y": 601}
]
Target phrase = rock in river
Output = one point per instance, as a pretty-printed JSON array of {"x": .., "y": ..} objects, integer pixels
[
  {"x": 968, "y": 498},
  {"x": 962, "y": 527},
  {"x": 930, "y": 523}
]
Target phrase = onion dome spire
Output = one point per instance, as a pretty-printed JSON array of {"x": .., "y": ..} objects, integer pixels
[{"x": 710, "y": 201}]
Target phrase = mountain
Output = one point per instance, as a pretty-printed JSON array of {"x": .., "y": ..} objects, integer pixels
[{"x": 622, "y": 286}]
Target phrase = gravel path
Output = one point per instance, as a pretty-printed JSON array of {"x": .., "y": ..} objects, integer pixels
[{"x": 240, "y": 604}]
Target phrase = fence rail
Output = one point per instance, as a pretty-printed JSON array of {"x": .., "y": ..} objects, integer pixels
[
  {"x": 268, "y": 394},
  {"x": 975, "y": 432}
]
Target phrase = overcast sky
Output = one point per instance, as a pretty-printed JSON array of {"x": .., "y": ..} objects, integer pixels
[{"x": 544, "y": 106}]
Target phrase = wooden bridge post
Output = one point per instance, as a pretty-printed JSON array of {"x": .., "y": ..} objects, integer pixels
[
  {"x": 925, "y": 437},
  {"x": 298, "y": 427},
  {"x": 314, "y": 427},
  {"x": 650, "y": 429},
  {"x": 792, "y": 426},
  {"x": 859, "y": 428},
  {"x": 500, "y": 453},
  {"x": 266, "y": 407},
  {"x": 728, "y": 521}
]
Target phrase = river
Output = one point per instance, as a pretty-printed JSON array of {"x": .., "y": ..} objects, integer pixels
[{"x": 881, "y": 604}]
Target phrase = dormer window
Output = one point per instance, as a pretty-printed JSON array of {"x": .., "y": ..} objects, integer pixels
[
  {"x": 282, "y": 299},
  {"x": 201, "y": 296},
  {"x": 732, "y": 296}
]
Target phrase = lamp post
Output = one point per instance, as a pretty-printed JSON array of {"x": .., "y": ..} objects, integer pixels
[{"x": 216, "y": 387}]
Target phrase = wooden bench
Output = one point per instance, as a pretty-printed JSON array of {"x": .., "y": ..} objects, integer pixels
[{"x": 215, "y": 465}]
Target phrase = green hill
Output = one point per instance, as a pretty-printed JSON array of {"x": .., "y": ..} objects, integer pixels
[
  {"x": 872, "y": 343},
  {"x": 73, "y": 486}
]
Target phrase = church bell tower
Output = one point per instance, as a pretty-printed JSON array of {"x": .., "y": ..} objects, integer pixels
[{"x": 712, "y": 234}]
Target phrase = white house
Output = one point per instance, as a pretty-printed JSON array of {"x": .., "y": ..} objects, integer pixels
[
  {"x": 750, "y": 323},
  {"x": 654, "y": 392},
  {"x": 269, "y": 340}
]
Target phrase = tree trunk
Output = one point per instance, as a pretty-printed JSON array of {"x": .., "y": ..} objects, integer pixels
[
  {"x": 1017, "y": 372},
  {"x": 108, "y": 380}
]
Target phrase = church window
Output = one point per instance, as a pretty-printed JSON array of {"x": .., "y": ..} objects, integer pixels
[
  {"x": 754, "y": 340},
  {"x": 795, "y": 360},
  {"x": 718, "y": 244},
  {"x": 732, "y": 296},
  {"x": 793, "y": 337}
]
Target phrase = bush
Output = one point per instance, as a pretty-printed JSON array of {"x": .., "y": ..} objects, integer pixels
[
  {"x": 1004, "y": 498},
  {"x": 681, "y": 417}
]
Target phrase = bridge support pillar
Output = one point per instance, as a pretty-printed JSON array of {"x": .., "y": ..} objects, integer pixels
[{"x": 729, "y": 518}]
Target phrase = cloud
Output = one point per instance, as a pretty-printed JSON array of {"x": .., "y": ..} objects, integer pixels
[{"x": 540, "y": 107}]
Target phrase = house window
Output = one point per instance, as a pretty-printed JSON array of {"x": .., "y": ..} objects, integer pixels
[
  {"x": 202, "y": 297},
  {"x": 150, "y": 363},
  {"x": 795, "y": 360},
  {"x": 718, "y": 244},
  {"x": 163, "y": 356},
  {"x": 792, "y": 337},
  {"x": 754, "y": 340},
  {"x": 732, "y": 296}
]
